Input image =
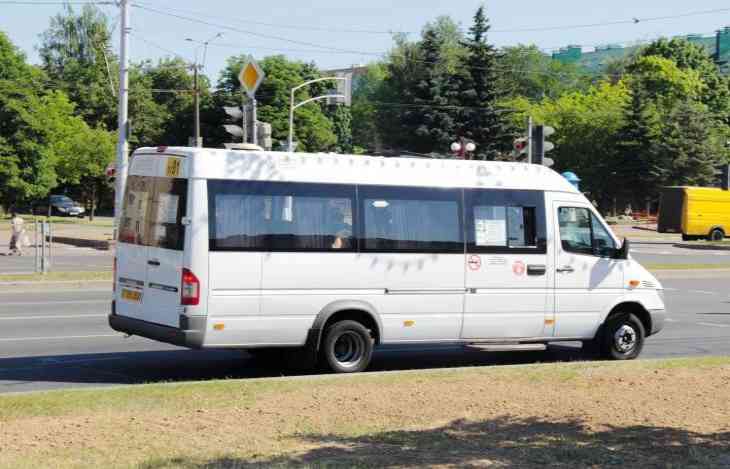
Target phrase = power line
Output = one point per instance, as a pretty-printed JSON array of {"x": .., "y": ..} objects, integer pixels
[
  {"x": 280, "y": 25},
  {"x": 241, "y": 31},
  {"x": 21, "y": 2},
  {"x": 634, "y": 20}
]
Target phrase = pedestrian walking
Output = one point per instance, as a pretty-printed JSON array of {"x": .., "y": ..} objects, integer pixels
[{"x": 17, "y": 234}]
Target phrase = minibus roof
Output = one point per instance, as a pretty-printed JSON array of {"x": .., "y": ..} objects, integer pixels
[{"x": 332, "y": 168}]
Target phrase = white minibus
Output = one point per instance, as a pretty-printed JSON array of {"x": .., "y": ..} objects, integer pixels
[{"x": 323, "y": 257}]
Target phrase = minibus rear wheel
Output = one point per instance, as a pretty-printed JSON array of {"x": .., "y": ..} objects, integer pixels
[
  {"x": 623, "y": 337},
  {"x": 716, "y": 235},
  {"x": 347, "y": 347}
]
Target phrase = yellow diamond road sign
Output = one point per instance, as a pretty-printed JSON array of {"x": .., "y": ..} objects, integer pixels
[{"x": 251, "y": 76}]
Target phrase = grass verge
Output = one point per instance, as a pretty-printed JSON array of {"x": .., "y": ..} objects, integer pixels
[
  {"x": 639, "y": 414},
  {"x": 57, "y": 277},
  {"x": 686, "y": 266}
]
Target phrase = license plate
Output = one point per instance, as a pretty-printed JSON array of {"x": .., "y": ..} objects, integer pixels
[{"x": 131, "y": 295}]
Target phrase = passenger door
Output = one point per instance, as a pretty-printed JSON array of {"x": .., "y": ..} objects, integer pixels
[
  {"x": 166, "y": 240},
  {"x": 412, "y": 239},
  {"x": 587, "y": 279},
  {"x": 507, "y": 274},
  {"x": 131, "y": 250}
]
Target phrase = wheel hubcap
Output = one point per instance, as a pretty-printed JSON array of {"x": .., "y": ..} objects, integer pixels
[
  {"x": 625, "y": 338},
  {"x": 348, "y": 349}
]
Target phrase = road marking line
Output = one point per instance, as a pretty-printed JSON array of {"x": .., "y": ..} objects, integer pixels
[
  {"x": 72, "y": 316},
  {"x": 712, "y": 324},
  {"x": 21, "y": 339},
  {"x": 62, "y": 302}
]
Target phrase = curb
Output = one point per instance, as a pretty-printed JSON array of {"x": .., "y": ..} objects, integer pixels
[
  {"x": 102, "y": 245},
  {"x": 702, "y": 247},
  {"x": 692, "y": 273},
  {"x": 29, "y": 285}
]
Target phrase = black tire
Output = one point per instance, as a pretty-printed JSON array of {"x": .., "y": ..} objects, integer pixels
[
  {"x": 347, "y": 347},
  {"x": 716, "y": 235},
  {"x": 688, "y": 238},
  {"x": 622, "y": 337}
]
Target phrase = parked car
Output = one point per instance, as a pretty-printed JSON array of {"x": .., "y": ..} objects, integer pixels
[{"x": 61, "y": 205}]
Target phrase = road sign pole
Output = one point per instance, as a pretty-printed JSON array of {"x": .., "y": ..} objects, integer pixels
[
  {"x": 290, "y": 146},
  {"x": 122, "y": 144},
  {"x": 254, "y": 137},
  {"x": 529, "y": 140}
]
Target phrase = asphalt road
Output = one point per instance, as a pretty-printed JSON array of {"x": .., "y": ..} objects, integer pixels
[
  {"x": 61, "y": 339},
  {"x": 64, "y": 259}
]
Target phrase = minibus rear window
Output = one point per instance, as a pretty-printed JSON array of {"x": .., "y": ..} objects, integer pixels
[{"x": 153, "y": 211}]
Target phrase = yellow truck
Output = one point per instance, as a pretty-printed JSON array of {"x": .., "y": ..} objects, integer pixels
[{"x": 696, "y": 212}]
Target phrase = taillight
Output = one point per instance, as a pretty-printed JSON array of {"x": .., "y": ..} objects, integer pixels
[
  {"x": 190, "y": 291},
  {"x": 114, "y": 275}
]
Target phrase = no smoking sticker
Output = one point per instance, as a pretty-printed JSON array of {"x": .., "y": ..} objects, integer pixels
[
  {"x": 518, "y": 268},
  {"x": 475, "y": 262}
]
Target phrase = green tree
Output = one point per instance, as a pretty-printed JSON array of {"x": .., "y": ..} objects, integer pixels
[
  {"x": 689, "y": 56},
  {"x": 367, "y": 96},
  {"x": 76, "y": 54},
  {"x": 586, "y": 124},
  {"x": 417, "y": 108},
  {"x": 481, "y": 118},
  {"x": 524, "y": 70}
]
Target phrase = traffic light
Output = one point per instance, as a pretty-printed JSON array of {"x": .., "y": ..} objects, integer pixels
[
  {"x": 540, "y": 146},
  {"x": 237, "y": 115}
]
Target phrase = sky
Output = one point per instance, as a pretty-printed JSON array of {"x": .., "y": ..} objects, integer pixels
[{"x": 338, "y": 34}]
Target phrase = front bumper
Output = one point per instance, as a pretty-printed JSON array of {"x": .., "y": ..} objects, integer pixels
[
  {"x": 190, "y": 333},
  {"x": 658, "y": 318}
]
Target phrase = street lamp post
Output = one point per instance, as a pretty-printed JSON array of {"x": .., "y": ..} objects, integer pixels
[{"x": 292, "y": 107}]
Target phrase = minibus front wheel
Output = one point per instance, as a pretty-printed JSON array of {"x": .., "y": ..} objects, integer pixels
[
  {"x": 347, "y": 347},
  {"x": 622, "y": 337}
]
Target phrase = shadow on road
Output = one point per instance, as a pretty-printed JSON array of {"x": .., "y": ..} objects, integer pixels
[
  {"x": 501, "y": 442},
  {"x": 189, "y": 365}
]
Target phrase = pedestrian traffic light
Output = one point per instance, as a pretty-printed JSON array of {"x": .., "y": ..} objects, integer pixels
[
  {"x": 540, "y": 146},
  {"x": 520, "y": 145}
]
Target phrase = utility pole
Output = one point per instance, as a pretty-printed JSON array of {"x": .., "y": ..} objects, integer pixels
[
  {"x": 196, "y": 99},
  {"x": 122, "y": 144}
]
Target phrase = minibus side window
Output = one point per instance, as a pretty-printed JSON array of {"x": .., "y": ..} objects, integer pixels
[
  {"x": 582, "y": 233},
  {"x": 133, "y": 226},
  {"x": 283, "y": 217},
  {"x": 402, "y": 219},
  {"x": 168, "y": 207},
  {"x": 506, "y": 221}
]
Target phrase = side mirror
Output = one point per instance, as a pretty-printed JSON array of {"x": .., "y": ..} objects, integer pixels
[{"x": 623, "y": 252}]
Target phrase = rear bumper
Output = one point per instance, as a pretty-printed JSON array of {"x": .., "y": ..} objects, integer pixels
[{"x": 189, "y": 334}]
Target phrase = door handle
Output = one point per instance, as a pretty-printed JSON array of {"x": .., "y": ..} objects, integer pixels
[
  {"x": 155, "y": 263},
  {"x": 536, "y": 270},
  {"x": 565, "y": 268}
]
